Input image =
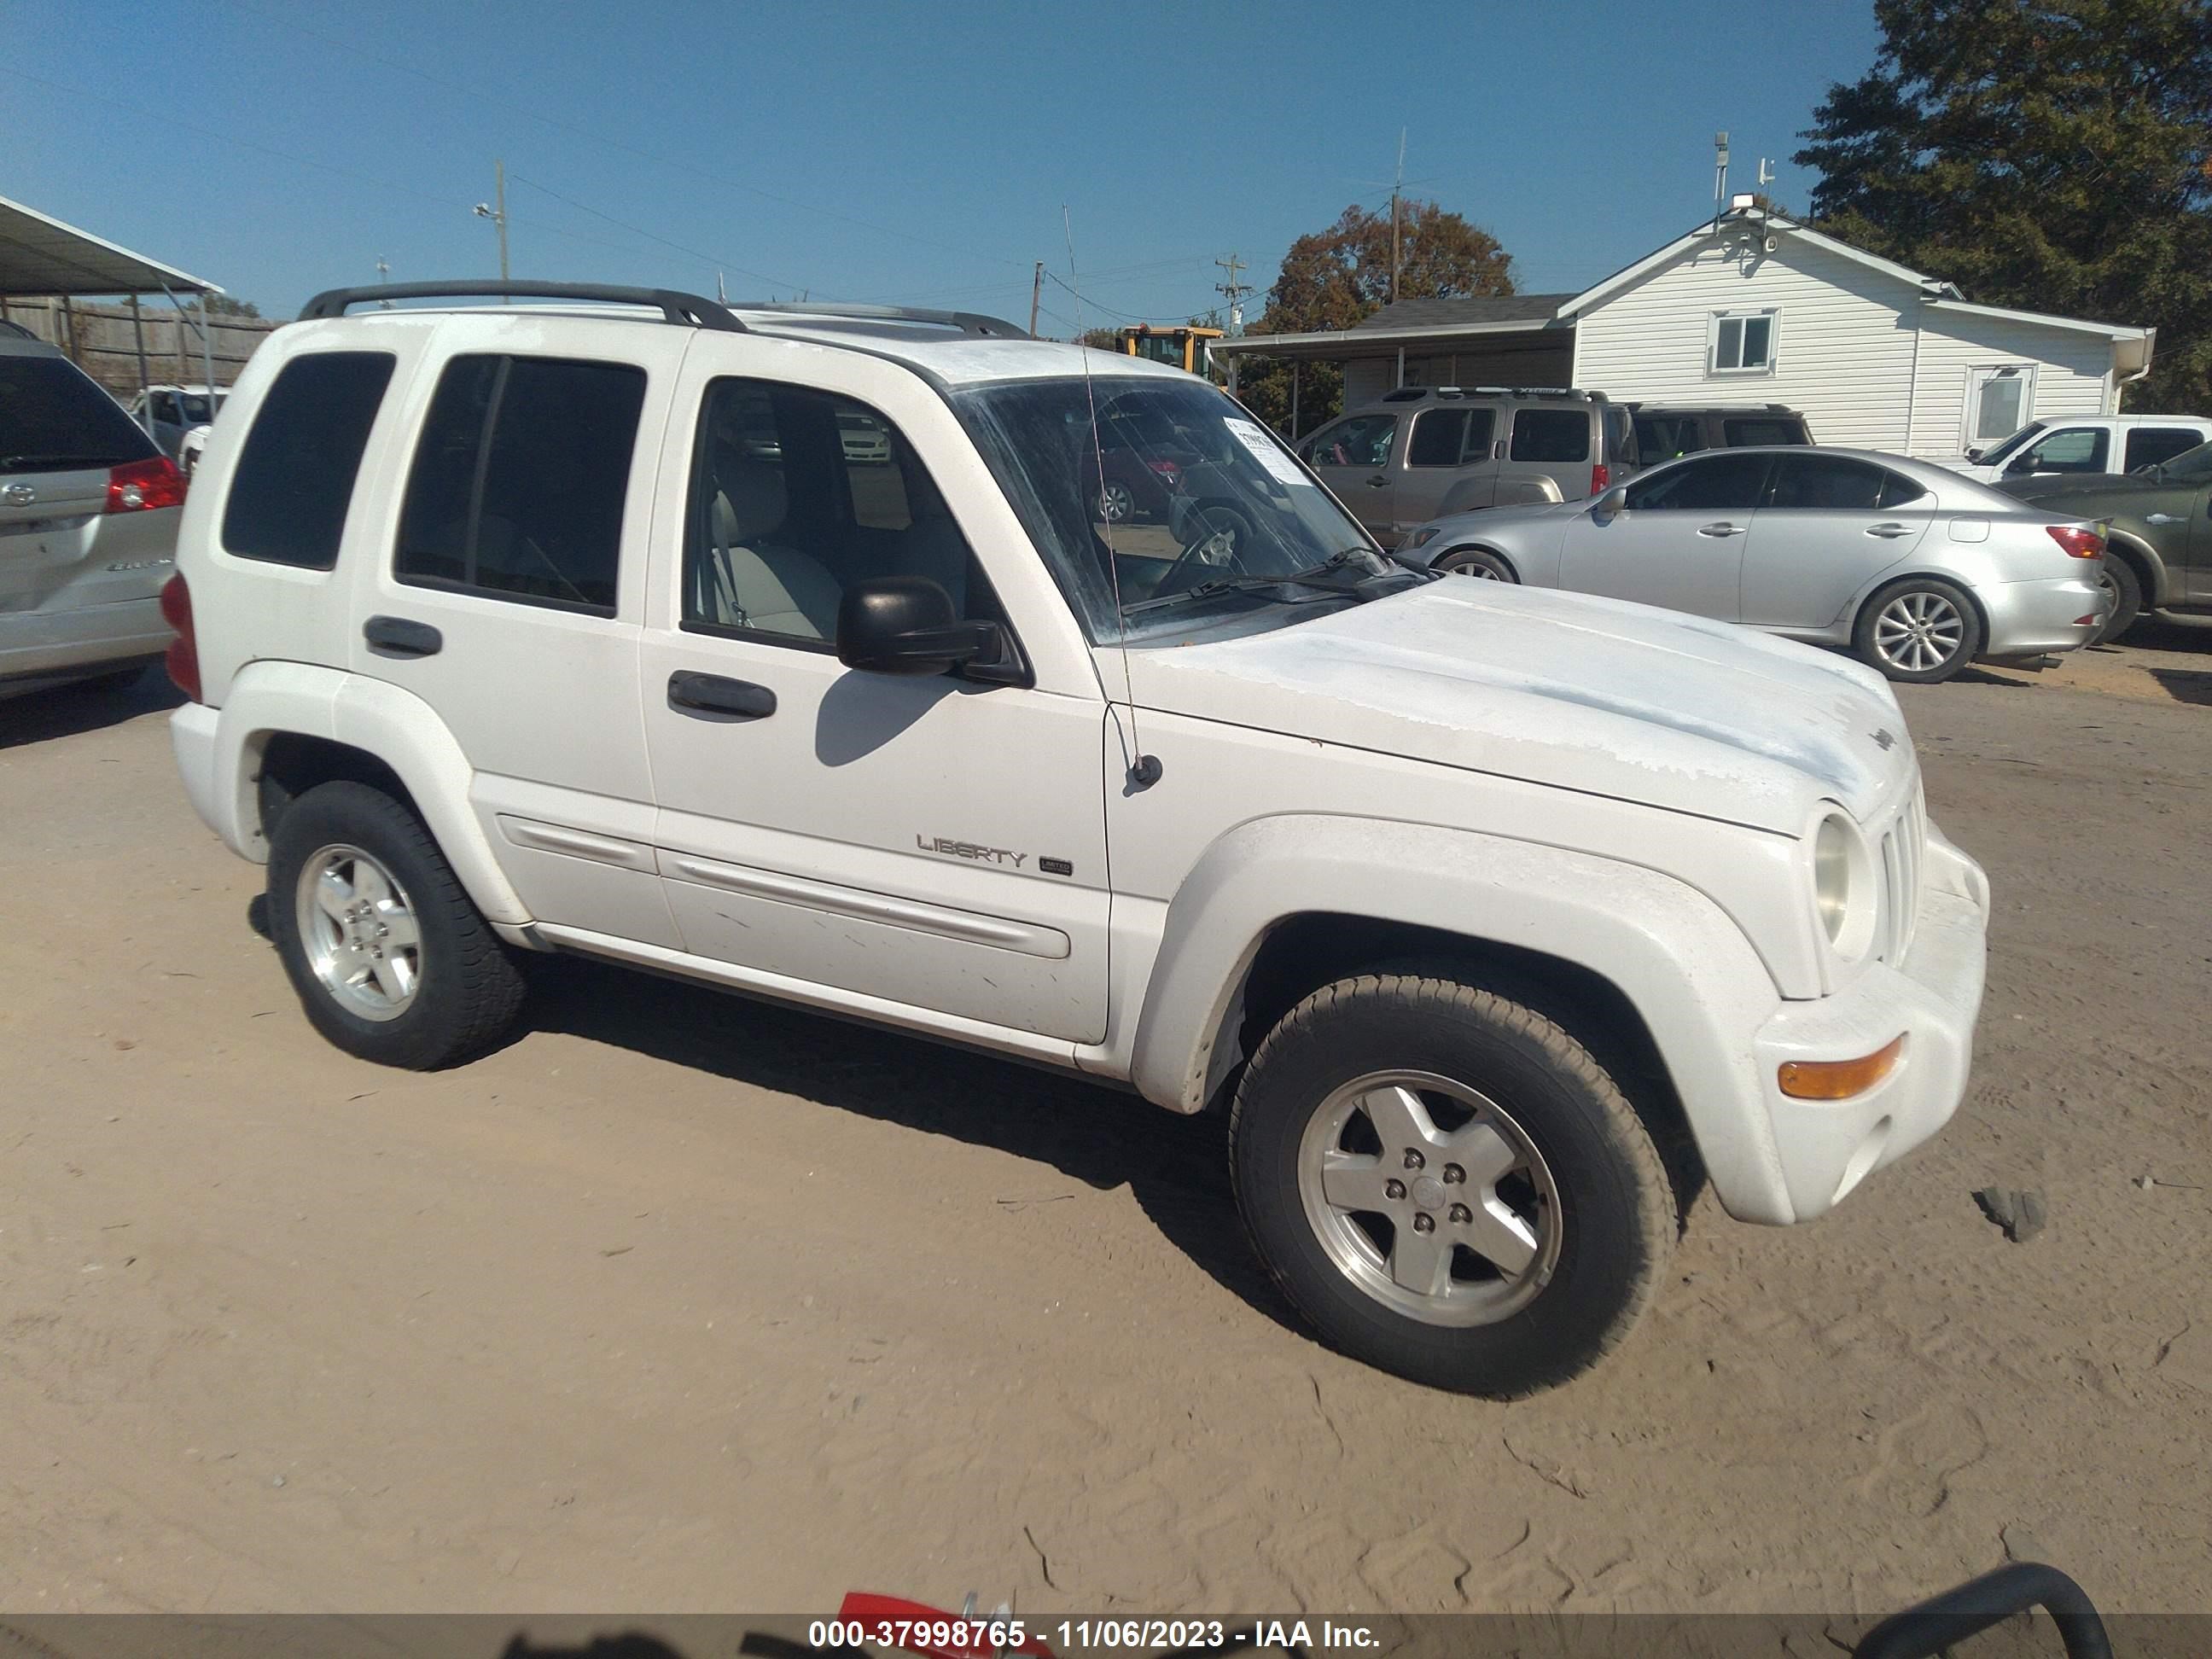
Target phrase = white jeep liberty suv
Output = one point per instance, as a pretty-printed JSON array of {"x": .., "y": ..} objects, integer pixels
[{"x": 1496, "y": 918}]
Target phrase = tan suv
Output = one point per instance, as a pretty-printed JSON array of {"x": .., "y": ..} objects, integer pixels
[{"x": 1422, "y": 452}]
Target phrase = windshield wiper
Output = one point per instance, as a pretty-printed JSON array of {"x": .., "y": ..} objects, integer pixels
[{"x": 1320, "y": 576}]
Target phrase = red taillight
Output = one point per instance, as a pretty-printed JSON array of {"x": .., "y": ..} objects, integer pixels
[
  {"x": 184, "y": 660},
  {"x": 2077, "y": 540},
  {"x": 143, "y": 485},
  {"x": 1601, "y": 476},
  {"x": 1167, "y": 470}
]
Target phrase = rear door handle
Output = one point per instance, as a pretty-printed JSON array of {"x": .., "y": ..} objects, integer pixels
[
  {"x": 395, "y": 637},
  {"x": 1723, "y": 529},
  {"x": 1378, "y": 482},
  {"x": 711, "y": 697},
  {"x": 2161, "y": 517},
  {"x": 1889, "y": 532}
]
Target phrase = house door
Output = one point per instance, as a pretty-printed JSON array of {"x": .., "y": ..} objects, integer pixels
[{"x": 1999, "y": 402}]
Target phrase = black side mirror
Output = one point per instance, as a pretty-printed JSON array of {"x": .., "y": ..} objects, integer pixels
[
  {"x": 906, "y": 625},
  {"x": 1973, "y": 454}
]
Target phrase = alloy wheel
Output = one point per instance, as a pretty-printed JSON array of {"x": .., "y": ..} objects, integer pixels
[
  {"x": 360, "y": 932},
  {"x": 1427, "y": 1195},
  {"x": 1919, "y": 630}
]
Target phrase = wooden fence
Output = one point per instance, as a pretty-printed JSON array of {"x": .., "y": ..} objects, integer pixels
[{"x": 110, "y": 342}]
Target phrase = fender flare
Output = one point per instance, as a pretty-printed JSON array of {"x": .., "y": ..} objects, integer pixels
[
  {"x": 1675, "y": 954},
  {"x": 380, "y": 719},
  {"x": 2150, "y": 568}
]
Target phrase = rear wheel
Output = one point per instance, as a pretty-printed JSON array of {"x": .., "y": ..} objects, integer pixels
[
  {"x": 2125, "y": 589},
  {"x": 1920, "y": 631},
  {"x": 391, "y": 959},
  {"x": 1116, "y": 504},
  {"x": 1449, "y": 1185},
  {"x": 1479, "y": 561}
]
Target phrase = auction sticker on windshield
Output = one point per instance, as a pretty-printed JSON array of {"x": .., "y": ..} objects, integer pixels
[{"x": 1265, "y": 452}]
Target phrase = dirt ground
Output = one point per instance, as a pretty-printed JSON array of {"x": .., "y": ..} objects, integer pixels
[{"x": 682, "y": 1303}]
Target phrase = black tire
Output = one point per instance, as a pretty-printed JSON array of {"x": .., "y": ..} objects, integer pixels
[
  {"x": 1877, "y": 643},
  {"x": 2117, "y": 577},
  {"x": 1478, "y": 561},
  {"x": 469, "y": 990},
  {"x": 1611, "y": 1209}
]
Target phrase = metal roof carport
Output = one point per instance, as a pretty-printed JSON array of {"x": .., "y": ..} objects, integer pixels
[{"x": 40, "y": 257}]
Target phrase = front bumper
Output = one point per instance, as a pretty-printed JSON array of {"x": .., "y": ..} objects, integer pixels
[
  {"x": 1931, "y": 998},
  {"x": 2028, "y": 619}
]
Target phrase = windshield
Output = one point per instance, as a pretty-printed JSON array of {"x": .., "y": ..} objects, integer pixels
[
  {"x": 1174, "y": 493},
  {"x": 1999, "y": 451},
  {"x": 2191, "y": 466}
]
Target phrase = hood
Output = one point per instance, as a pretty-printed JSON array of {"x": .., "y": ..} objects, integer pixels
[{"x": 1567, "y": 690}]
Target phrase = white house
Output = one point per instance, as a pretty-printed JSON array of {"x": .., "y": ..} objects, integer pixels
[{"x": 1753, "y": 308}]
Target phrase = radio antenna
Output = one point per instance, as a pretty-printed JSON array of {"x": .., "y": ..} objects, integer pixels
[{"x": 1145, "y": 770}]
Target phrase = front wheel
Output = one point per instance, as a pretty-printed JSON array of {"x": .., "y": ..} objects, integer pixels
[
  {"x": 391, "y": 959},
  {"x": 1479, "y": 561},
  {"x": 1449, "y": 1185},
  {"x": 1920, "y": 632}
]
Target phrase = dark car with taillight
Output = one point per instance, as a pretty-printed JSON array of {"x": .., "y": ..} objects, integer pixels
[
  {"x": 2158, "y": 529},
  {"x": 89, "y": 513}
]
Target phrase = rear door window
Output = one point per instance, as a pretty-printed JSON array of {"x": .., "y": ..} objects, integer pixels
[
  {"x": 54, "y": 419},
  {"x": 1825, "y": 482},
  {"x": 295, "y": 475},
  {"x": 519, "y": 480},
  {"x": 1439, "y": 438},
  {"x": 1664, "y": 437},
  {"x": 2147, "y": 446},
  {"x": 1720, "y": 483},
  {"x": 1744, "y": 431},
  {"x": 1550, "y": 434}
]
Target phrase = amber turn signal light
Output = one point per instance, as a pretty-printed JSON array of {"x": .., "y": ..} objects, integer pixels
[{"x": 1839, "y": 1079}]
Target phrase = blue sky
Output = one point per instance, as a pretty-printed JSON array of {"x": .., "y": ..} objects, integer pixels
[{"x": 876, "y": 150}]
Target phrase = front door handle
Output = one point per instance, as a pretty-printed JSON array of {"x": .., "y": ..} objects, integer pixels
[
  {"x": 1378, "y": 482},
  {"x": 711, "y": 697},
  {"x": 1721, "y": 529},
  {"x": 2161, "y": 517},
  {"x": 395, "y": 637},
  {"x": 1889, "y": 532}
]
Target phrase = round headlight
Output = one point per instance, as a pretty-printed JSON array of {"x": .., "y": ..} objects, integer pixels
[{"x": 1845, "y": 894}]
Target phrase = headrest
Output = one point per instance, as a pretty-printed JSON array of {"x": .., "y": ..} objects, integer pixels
[{"x": 755, "y": 490}]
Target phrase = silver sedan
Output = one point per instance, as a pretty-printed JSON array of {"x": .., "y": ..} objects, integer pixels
[{"x": 1917, "y": 569}]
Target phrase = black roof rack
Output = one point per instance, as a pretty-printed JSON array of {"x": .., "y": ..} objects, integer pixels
[
  {"x": 968, "y": 322},
  {"x": 687, "y": 309}
]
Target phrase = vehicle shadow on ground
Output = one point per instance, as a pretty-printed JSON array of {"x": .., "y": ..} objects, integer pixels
[
  {"x": 1176, "y": 1167},
  {"x": 2185, "y": 685},
  {"x": 69, "y": 710}
]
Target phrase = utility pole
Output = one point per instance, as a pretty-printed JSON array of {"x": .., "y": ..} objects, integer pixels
[
  {"x": 497, "y": 216},
  {"x": 1396, "y": 185},
  {"x": 1037, "y": 294},
  {"x": 1234, "y": 292}
]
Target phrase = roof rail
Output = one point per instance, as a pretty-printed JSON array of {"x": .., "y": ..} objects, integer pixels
[
  {"x": 689, "y": 310},
  {"x": 968, "y": 322}
]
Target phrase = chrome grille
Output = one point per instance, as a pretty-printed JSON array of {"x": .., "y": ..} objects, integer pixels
[{"x": 1902, "y": 844}]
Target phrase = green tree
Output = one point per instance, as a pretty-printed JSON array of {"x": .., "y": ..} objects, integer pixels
[
  {"x": 221, "y": 305},
  {"x": 2048, "y": 154},
  {"x": 1334, "y": 278}
]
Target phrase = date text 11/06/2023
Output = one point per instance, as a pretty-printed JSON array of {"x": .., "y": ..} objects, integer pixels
[{"x": 1005, "y": 1634}]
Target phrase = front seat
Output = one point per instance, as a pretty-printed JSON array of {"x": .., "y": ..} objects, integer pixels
[{"x": 746, "y": 579}]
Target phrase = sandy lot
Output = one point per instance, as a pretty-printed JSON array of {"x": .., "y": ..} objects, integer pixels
[{"x": 682, "y": 1303}]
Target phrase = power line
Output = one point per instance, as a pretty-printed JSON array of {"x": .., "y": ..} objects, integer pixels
[{"x": 715, "y": 260}]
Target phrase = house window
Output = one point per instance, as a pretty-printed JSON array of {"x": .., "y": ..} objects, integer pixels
[{"x": 1743, "y": 342}]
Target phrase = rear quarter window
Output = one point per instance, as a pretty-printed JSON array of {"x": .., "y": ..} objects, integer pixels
[
  {"x": 293, "y": 482},
  {"x": 54, "y": 419}
]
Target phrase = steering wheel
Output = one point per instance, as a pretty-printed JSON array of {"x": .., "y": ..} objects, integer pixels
[{"x": 1218, "y": 550}]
